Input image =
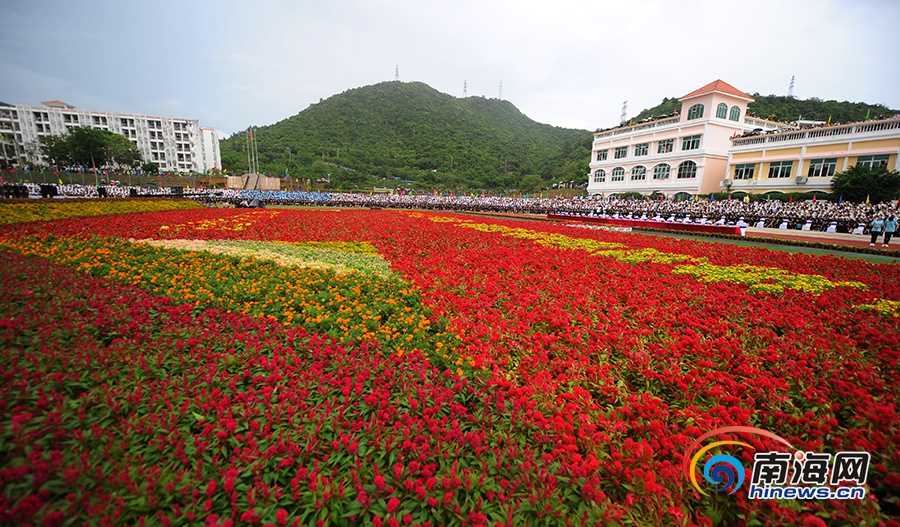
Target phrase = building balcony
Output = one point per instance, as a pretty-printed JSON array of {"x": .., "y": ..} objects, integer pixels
[
  {"x": 623, "y": 130},
  {"x": 826, "y": 134}
]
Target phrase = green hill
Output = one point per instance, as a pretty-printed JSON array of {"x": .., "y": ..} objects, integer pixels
[
  {"x": 784, "y": 108},
  {"x": 410, "y": 131}
]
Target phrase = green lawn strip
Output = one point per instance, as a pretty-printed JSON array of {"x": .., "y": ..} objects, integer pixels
[
  {"x": 874, "y": 258},
  {"x": 340, "y": 257}
]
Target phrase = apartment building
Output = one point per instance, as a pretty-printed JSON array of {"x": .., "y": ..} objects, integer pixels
[{"x": 174, "y": 144}]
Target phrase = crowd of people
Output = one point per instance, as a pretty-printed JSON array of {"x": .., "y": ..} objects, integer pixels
[{"x": 818, "y": 215}]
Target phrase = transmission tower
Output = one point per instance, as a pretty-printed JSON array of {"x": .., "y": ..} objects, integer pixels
[
  {"x": 791, "y": 89},
  {"x": 624, "y": 113},
  {"x": 500, "y": 91},
  {"x": 397, "y": 72},
  {"x": 465, "y": 90}
]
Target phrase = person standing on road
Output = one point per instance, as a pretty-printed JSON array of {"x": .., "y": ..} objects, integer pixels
[
  {"x": 890, "y": 227},
  {"x": 875, "y": 229}
]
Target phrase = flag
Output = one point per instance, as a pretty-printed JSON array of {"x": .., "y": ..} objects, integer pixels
[
  {"x": 867, "y": 199},
  {"x": 829, "y": 120},
  {"x": 60, "y": 182},
  {"x": 840, "y": 199},
  {"x": 729, "y": 197},
  {"x": 712, "y": 197},
  {"x": 814, "y": 198},
  {"x": 696, "y": 197},
  {"x": 747, "y": 198},
  {"x": 867, "y": 113},
  {"x": 790, "y": 199}
]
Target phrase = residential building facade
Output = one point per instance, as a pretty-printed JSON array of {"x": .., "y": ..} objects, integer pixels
[
  {"x": 682, "y": 154},
  {"x": 174, "y": 144}
]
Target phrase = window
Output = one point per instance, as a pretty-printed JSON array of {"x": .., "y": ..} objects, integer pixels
[
  {"x": 687, "y": 170},
  {"x": 601, "y": 155},
  {"x": 666, "y": 146},
  {"x": 641, "y": 149},
  {"x": 780, "y": 169},
  {"x": 735, "y": 114},
  {"x": 744, "y": 171},
  {"x": 690, "y": 143},
  {"x": 695, "y": 112},
  {"x": 639, "y": 173},
  {"x": 822, "y": 167},
  {"x": 600, "y": 176},
  {"x": 873, "y": 161},
  {"x": 618, "y": 174},
  {"x": 621, "y": 152},
  {"x": 721, "y": 110},
  {"x": 661, "y": 171}
]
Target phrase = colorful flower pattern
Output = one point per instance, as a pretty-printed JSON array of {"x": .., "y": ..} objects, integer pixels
[{"x": 519, "y": 373}]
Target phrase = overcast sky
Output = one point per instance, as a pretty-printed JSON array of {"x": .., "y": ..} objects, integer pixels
[{"x": 569, "y": 63}]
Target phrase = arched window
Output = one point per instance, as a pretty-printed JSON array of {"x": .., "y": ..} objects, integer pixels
[
  {"x": 735, "y": 114},
  {"x": 618, "y": 174},
  {"x": 687, "y": 170},
  {"x": 639, "y": 173},
  {"x": 661, "y": 171},
  {"x": 695, "y": 112},
  {"x": 721, "y": 110},
  {"x": 600, "y": 176}
]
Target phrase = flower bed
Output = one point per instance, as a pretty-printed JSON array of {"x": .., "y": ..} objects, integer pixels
[
  {"x": 24, "y": 211},
  {"x": 502, "y": 372}
]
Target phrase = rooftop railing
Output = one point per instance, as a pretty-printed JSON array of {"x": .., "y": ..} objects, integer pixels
[
  {"x": 813, "y": 133},
  {"x": 635, "y": 127}
]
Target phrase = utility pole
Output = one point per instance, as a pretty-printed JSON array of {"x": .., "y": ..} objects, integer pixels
[{"x": 287, "y": 170}]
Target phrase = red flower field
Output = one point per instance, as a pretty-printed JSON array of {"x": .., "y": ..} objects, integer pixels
[{"x": 502, "y": 372}]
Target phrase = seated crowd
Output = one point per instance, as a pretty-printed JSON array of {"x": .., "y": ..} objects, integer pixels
[{"x": 821, "y": 215}]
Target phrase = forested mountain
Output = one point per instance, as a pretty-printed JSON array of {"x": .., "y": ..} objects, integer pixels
[
  {"x": 410, "y": 131},
  {"x": 784, "y": 108}
]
